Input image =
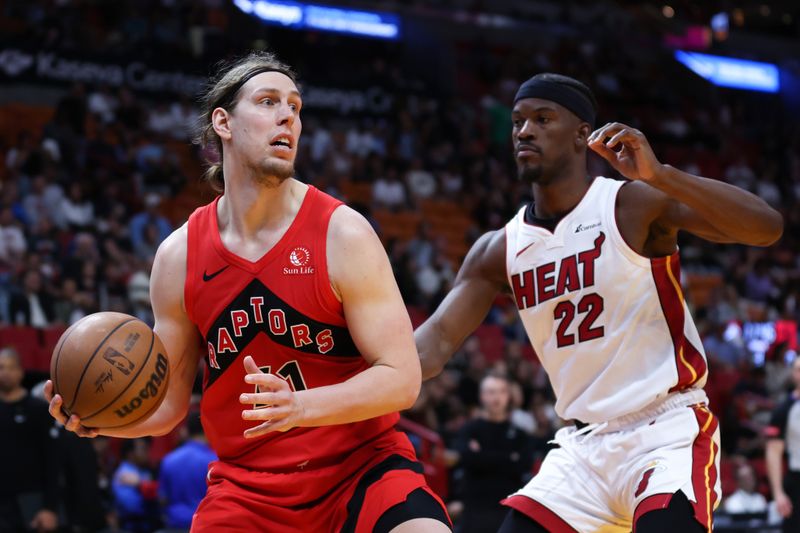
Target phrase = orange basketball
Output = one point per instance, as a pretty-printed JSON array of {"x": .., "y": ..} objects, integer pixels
[{"x": 110, "y": 369}]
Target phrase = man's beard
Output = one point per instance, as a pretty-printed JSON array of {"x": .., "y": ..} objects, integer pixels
[
  {"x": 530, "y": 174},
  {"x": 273, "y": 171}
]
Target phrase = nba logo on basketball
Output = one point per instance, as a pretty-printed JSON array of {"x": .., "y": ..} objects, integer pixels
[{"x": 299, "y": 258}]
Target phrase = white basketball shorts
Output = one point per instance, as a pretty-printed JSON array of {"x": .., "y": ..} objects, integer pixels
[{"x": 604, "y": 477}]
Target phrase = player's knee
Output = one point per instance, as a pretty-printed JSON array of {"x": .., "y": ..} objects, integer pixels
[
  {"x": 677, "y": 516},
  {"x": 422, "y": 525}
]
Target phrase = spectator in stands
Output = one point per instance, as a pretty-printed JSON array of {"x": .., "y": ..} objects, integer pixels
[
  {"x": 139, "y": 291},
  {"x": 41, "y": 200},
  {"x": 161, "y": 120},
  {"x": 721, "y": 350},
  {"x": 32, "y": 306},
  {"x": 520, "y": 418},
  {"x": 421, "y": 248},
  {"x": 388, "y": 191},
  {"x": 433, "y": 280},
  {"x": 758, "y": 284},
  {"x": 740, "y": 174},
  {"x": 182, "y": 480},
  {"x": 76, "y": 209},
  {"x": 150, "y": 216},
  {"x": 65, "y": 305},
  {"x": 746, "y": 499},
  {"x": 783, "y": 436},
  {"x": 132, "y": 488},
  {"x": 421, "y": 182},
  {"x": 30, "y": 467},
  {"x": 12, "y": 238},
  {"x": 18, "y": 154},
  {"x": 102, "y": 104},
  {"x": 79, "y": 488},
  {"x": 495, "y": 456}
]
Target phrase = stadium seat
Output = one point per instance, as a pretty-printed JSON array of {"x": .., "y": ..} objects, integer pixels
[
  {"x": 26, "y": 340},
  {"x": 50, "y": 337},
  {"x": 492, "y": 342}
]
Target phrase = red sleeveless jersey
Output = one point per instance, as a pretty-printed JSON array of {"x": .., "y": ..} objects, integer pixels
[{"x": 282, "y": 311}]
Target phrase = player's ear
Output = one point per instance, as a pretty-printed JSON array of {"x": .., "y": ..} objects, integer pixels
[
  {"x": 220, "y": 120},
  {"x": 581, "y": 136}
]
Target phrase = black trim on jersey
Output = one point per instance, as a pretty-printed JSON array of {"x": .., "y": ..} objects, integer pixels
[
  {"x": 393, "y": 462},
  {"x": 418, "y": 504},
  {"x": 343, "y": 344},
  {"x": 547, "y": 223}
]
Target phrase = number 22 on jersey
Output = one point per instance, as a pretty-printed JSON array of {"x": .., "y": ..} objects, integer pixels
[{"x": 592, "y": 305}]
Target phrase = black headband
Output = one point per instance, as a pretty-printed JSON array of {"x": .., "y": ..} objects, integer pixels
[
  {"x": 231, "y": 93},
  {"x": 560, "y": 93}
]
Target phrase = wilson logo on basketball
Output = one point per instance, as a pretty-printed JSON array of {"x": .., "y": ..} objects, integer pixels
[
  {"x": 150, "y": 389},
  {"x": 299, "y": 258}
]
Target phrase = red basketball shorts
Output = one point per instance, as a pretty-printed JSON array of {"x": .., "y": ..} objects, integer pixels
[{"x": 349, "y": 496}]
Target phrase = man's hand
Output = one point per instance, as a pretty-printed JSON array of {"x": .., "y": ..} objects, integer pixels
[
  {"x": 45, "y": 520},
  {"x": 784, "y": 504},
  {"x": 71, "y": 423},
  {"x": 635, "y": 160},
  {"x": 283, "y": 409}
]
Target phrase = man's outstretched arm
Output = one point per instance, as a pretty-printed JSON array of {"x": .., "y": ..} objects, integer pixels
[
  {"x": 479, "y": 280},
  {"x": 710, "y": 209}
]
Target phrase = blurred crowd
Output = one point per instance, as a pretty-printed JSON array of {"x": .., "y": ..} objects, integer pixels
[{"x": 83, "y": 210}]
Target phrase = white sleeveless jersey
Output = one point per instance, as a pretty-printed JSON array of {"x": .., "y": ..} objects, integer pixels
[{"x": 610, "y": 326}]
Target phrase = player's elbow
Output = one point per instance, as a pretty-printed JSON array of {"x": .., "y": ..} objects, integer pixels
[
  {"x": 430, "y": 366},
  {"x": 409, "y": 388},
  {"x": 771, "y": 227},
  {"x": 168, "y": 416}
]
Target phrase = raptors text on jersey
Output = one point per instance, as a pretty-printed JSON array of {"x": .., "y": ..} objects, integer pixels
[{"x": 282, "y": 311}]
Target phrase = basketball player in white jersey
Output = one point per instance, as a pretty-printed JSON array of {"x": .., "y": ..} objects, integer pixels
[{"x": 593, "y": 266}]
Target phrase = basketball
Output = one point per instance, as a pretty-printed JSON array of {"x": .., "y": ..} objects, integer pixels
[{"x": 110, "y": 369}]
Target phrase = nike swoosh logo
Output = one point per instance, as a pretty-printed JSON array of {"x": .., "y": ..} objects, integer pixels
[
  {"x": 209, "y": 277},
  {"x": 520, "y": 252}
]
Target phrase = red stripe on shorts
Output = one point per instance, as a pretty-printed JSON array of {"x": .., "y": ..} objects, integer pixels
[
  {"x": 651, "y": 503},
  {"x": 541, "y": 514},
  {"x": 704, "y": 469},
  {"x": 688, "y": 360}
]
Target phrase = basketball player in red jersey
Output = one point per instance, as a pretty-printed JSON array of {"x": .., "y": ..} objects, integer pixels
[
  {"x": 310, "y": 354},
  {"x": 593, "y": 267}
]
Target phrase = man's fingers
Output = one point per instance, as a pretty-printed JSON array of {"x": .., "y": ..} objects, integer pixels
[
  {"x": 604, "y": 151},
  {"x": 48, "y": 390},
  {"x": 624, "y": 135},
  {"x": 609, "y": 129},
  {"x": 73, "y": 424},
  {"x": 88, "y": 432},
  {"x": 250, "y": 365},
  {"x": 264, "y": 398},
  {"x": 259, "y": 430},
  {"x": 265, "y": 428},
  {"x": 56, "y": 411},
  {"x": 268, "y": 381},
  {"x": 265, "y": 413}
]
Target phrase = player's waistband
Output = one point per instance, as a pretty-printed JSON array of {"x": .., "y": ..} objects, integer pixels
[{"x": 660, "y": 406}]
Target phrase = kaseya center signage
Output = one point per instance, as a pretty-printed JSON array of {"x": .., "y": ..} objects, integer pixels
[{"x": 54, "y": 68}]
